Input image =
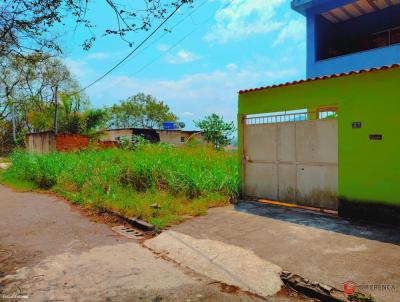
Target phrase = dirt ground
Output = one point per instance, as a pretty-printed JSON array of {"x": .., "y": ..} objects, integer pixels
[
  {"x": 52, "y": 251},
  {"x": 4, "y": 165}
]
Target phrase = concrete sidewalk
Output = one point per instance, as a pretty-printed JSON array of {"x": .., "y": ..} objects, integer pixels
[{"x": 318, "y": 247}]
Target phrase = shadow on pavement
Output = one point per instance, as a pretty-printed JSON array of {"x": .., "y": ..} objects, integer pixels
[{"x": 322, "y": 221}]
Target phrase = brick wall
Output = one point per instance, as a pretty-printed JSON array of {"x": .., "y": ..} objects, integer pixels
[
  {"x": 71, "y": 142},
  {"x": 107, "y": 144}
]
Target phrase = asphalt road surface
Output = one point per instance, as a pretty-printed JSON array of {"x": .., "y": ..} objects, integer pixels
[{"x": 53, "y": 251}]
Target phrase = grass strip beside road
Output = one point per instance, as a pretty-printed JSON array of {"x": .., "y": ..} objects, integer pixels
[{"x": 160, "y": 184}]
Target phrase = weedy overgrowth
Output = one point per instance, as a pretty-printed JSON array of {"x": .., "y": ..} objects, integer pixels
[{"x": 181, "y": 181}]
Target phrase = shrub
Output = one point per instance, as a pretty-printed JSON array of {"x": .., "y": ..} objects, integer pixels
[{"x": 139, "y": 179}]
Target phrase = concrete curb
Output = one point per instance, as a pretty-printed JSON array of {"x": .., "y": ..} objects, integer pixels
[
  {"x": 312, "y": 289},
  {"x": 320, "y": 291},
  {"x": 133, "y": 221}
]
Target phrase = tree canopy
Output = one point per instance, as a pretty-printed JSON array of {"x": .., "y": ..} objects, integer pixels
[
  {"x": 141, "y": 111},
  {"x": 28, "y": 26},
  {"x": 27, "y": 97},
  {"x": 28, "y": 83},
  {"x": 216, "y": 130}
]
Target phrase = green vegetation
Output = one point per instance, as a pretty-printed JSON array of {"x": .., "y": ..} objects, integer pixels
[
  {"x": 158, "y": 183},
  {"x": 141, "y": 111},
  {"x": 216, "y": 130},
  {"x": 37, "y": 93},
  {"x": 359, "y": 297}
]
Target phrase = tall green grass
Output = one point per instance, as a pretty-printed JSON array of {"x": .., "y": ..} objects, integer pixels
[{"x": 158, "y": 183}]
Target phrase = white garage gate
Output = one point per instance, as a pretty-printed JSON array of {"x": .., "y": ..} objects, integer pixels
[{"x": 291, "y": 158}]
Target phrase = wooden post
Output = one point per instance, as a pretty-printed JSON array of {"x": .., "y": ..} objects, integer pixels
[
  {"x": 55, "y": 110},
  {"x": 13, "y": 122}
]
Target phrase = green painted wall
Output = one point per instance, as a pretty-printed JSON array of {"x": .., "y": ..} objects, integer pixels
[{"x": 369, "y": 171}]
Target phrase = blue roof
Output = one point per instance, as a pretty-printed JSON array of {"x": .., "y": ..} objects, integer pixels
[{"x": 302, "y": 6}]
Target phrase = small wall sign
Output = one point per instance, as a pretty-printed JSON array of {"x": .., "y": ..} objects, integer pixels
[
  {"x": 375, "y": 137},
  {"x": 356, "y": 125}
]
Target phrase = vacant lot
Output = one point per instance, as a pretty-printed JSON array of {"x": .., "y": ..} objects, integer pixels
[{"x": 158, "y": 183}]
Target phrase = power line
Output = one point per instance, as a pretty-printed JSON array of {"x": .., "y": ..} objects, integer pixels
[
  {"x": 133, "y": 51},
  {"x": 167, "y": 51},
  {"x": 181, "y": 40},
  {"x": 172, "y": 27}
]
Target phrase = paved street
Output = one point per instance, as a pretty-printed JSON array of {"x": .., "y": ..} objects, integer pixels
[{"x": 52, "y": 251}]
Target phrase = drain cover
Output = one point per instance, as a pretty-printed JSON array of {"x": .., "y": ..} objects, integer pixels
[{"x": 128, "y": 232}]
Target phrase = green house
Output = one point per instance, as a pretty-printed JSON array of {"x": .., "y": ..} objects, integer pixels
[{"x": 330, "y": 142}]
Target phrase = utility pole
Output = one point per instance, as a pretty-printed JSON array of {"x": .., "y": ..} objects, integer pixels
[
  {"x": 56, "y": 110},
  {"x": 14, "y": 131},
  {"x": 13, "y": 122}
]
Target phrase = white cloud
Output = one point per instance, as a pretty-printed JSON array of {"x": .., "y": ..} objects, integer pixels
[
  {"x": 243, "y": 18},
  {"x": 294, "y": 30},
  {"x": 163, "y": 47},
  {"x": 199, "y": 94},
  {"x": 183, "y": 56},
  {"x": 78, "y": 68},
  {"x": 99, "y": 55},
  {"x": 231, "y": 67}
]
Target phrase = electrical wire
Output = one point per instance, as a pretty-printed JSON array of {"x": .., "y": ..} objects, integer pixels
[
  {"x": 181, "y": 40},
  {"x": 132, "y": 52},
  {"x": 152, "y": 43},
  {"x": 170, "y": 29}
]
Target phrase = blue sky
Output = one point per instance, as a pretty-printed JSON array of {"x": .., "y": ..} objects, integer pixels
[{"x": 217, "y": 48}]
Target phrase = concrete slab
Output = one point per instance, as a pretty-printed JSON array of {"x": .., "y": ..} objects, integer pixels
[
  {"x": 322, "y": 221},
  {"x": 322, "y": 248},
  {"x": 222, "y": 262}
]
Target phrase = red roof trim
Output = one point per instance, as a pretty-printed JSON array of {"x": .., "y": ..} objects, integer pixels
[{"x": 337, "y": 75}]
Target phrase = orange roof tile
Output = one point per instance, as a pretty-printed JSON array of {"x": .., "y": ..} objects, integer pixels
[{"x": 336, "y": 75}]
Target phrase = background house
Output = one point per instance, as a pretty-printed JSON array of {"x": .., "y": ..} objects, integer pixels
[{"x": 175, "y": 137}]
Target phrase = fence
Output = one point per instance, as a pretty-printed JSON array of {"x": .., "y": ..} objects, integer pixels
[{"x": 289, "y": 117}]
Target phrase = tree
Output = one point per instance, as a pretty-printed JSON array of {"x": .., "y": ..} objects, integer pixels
[
  {"x": 6, "y": 137},
  {"x": 27, "y": 89},
  {"x": 32, "y": 89},
  {"x": 10, "y": 77},
  {"x": 141, "y": 111},
  {"x": 29, "y": 85},
  {"x": 28, "y": 26},
  {"x": 216, "y": 131},
  {"x": 95, "y": 120}
]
